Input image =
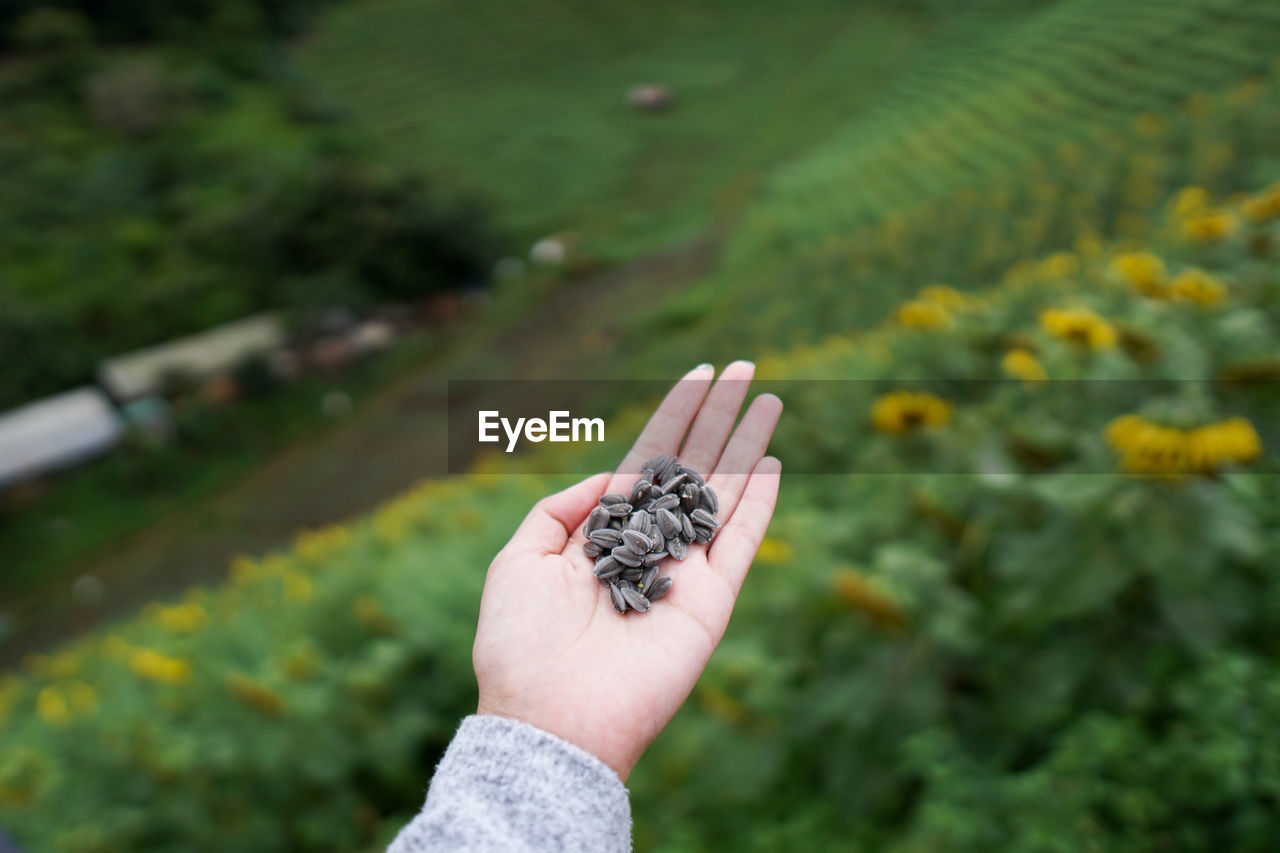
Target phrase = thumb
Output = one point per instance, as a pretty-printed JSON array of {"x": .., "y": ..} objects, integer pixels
[{"x": 548, "y": 526}]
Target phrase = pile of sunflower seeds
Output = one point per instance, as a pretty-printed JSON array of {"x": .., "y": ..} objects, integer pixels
[{"x": 670, "y": 507}]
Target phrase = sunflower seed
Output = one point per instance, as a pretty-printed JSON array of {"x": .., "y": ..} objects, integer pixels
[
  {"x": 606, "y": 538},
  {"x": 647, "y": 578},
  {"x": 653, "y": 558},
  {"x": 592, "y": 549},
  {"x": 619, "y": 510},
  {"x": 669, "y": 470},
  {"x": 598, "y": 518},
  {"x": 608, "y": 566},
  {"x": 667, "y": 522},
  {"x": 640, "y": 491},
  {"x": 686, "y": 527},
  {"x": 677, "y": 548},
  {"x": 695, "y": 477},
  {"x": 659, "y": 541},
  {"x": 658, "y": 588},
  {"x": 635, "y": 599},
  {"x": 665, "y": 502},
  {"x": 615, "y": 595},
  {"x": 627, "y": 557},
  {"x": 709, "y": 500},
  {"x": 706, "y": 519},
  {"x": 632, "y": 575},
  {"x": 612, "y": 498},
  {"x": 656, "y": 465},
  {"x": 688, "y": 496},
  {"x": 674, "y": 482},
  {"x": 637, "y": 541},
  {"x": 702, "y": 535},
  {"x": 639, "y": 520}
]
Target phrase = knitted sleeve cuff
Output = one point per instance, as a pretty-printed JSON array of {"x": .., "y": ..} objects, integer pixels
[{"x": 506, "y": 785}]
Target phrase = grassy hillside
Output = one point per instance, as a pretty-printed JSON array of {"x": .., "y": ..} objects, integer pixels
[{"x": 527, "y": 106}]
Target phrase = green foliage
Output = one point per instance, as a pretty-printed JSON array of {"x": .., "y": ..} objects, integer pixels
[{"x": 205, "y": 196}]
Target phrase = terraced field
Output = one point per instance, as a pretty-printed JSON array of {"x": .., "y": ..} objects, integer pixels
[{"x": 527, "y": 108}]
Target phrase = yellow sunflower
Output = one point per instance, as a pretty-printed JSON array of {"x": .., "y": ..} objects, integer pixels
[
  {"x": 901, "y": 412},
  {"x": 1150, "y": 448},
  {"x": 1209, "y": 226},
  {"x": 1143, "y": 270},
  {"x": 1196, "y": 285},
  {"x": 1020, "y": 363},
  {"x": 1080, "y": 326},
  {"x": 920, "y": 314}
]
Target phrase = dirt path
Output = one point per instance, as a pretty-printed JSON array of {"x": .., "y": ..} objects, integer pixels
[{"x": 391, "y": 439}]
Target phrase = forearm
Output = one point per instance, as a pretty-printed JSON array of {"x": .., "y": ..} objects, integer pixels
[{"x": 504, "y": 785}]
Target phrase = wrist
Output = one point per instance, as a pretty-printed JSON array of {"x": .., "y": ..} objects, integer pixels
[{"x": 617, "y": 754}]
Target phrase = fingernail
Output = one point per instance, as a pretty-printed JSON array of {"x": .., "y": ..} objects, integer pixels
[{"x": 706, "y": 365}]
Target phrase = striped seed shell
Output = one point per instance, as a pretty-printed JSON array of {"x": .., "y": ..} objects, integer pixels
[
  {"x": 647, "y": 578},
  {"x": 626, "y": 556},
  {"x": 659, "y": 588},
  {"x": 639, "y": 520},
  {"x": 688, "y": 496},
  {"x": 656, "y": 465},
  {"x": 634, "y": 599},
  {"x": 706, "y": 519},
  {"x": 667, "y": 522},
  {"x": 615, "y": 595},
  {"x": 653, "y": 558},
  {"x": 637, "y": 541},
  {"x": 612, "y": 498},
  {"x": 619, "y": 510},
  {"x": 709, "y": 501},
  {"x": 640, "y": 491},
  {"x": 598, "y": 518},
  {"x": 674, "y": 482},
  {"x": 632, "y": 575},
  {"x": 659, "y": 541},
  {"x": 667, "y": 502},
  {"x": 686, "y": 527},
  {"x": 702, "y": 535},
  {"x": 606, "y": 538},
  {"x": 677, "y": 548},
  {"x": 695, "y": 477},
  {"x": 592, "y": 549},
  {"x": 669, "y": 470},
  {"x": 608, "y": 566}
]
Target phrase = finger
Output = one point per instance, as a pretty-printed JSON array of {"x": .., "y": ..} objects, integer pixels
[
  {"x": 662, "y": 434},
  {"x": 748, "y": 444},
  {"x": 548, "y": 526},
  {"x": 714, "y": 423},
  {"x": 735, "y": 548}
]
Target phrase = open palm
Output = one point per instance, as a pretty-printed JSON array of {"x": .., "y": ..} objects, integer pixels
[{"x": 550, "y": 648}]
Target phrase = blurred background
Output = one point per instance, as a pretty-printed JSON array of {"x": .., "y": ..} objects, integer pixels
[{"x": 244, "y": 246}]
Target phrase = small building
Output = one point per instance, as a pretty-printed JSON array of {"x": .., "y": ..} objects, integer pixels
[
  {"x": 143, "y": 373},
  {"x": 56, "y": 432}
]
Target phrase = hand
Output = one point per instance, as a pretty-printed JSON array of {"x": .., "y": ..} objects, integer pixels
[{"x": 550, "y": 649}]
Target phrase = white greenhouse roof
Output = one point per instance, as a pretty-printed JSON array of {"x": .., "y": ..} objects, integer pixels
[
  {"x": 142, "y": 372},
  {"x": 56, "y": 432}
]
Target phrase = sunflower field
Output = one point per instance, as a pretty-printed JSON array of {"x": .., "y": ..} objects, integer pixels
[{"x": 1021, "y": 590}]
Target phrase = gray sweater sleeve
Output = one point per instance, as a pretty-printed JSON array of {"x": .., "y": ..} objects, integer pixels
[{"x": 506, "y": 786}]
